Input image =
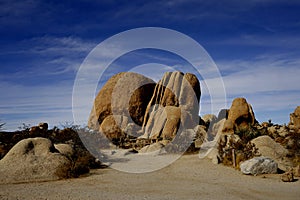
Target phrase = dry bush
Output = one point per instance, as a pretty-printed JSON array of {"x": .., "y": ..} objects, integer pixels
[{"x": 243, "y": 149}]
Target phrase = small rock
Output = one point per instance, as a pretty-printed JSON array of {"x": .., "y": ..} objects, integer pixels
[
  {"x": 288, "y": 176},
  {"x": 259, "y": 165},
  {"x": 43, "y": 126},
  {"x": 265, "y": 124},
  {"x": 151, "y": 148}
]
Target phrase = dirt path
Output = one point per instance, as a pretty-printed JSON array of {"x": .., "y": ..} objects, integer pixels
[{"x": 187, "y": 178}]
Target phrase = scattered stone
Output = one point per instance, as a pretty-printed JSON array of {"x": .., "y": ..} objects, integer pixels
[
  {"x": 288, "y": 176},
  {"x": 259, "y": 165},
  {"x": 33, "y": 159}
]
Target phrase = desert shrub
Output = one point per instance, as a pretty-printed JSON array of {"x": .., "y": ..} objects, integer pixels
[
  {"x": 233, "y": 150},
  {"x": 247, "y": 134},
  {"x": 82, "y": 161}
]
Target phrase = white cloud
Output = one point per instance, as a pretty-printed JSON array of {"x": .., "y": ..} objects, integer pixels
[
  {"x": 34, "y": 104},
  {"x": 270, "y": 83}
]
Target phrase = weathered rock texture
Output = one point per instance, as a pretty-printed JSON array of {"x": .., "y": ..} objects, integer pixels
[
  {"x": 160, "y": 110},
  {"x": 125, "y": 94},
  {"x": 33, "y": 159},
  {"x": 240, "y": 116},
  {"x": 269, "y": 148},
  {"x": 259, "y": 165},
  {"x": 173, "y": 106}
]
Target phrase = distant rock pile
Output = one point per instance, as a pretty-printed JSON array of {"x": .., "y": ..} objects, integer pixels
[
  {"x": 239, "y": 138},
  {"x": 294, "y": 124}
]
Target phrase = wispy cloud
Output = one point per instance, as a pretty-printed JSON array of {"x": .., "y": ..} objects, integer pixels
[
  {"x": 268, "y": 82},
  {"x": 33, "y": 104}
]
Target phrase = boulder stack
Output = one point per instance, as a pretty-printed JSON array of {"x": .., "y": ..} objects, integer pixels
[
  {"x": 159, "y": 111},
  {"x": 34, "y": 159},
  {"x": 173, "y": 106},
  {"x": 124, "y": 96},
  {"x": 240, "y": 116}
]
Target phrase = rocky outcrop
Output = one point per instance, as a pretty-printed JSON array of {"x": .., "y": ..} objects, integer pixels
[
  {"x": 34, "y": 159},
  {"x": 294, "y": 124},
  {"x": 240, "y": 116},
  {"x": 125, "y": 94},
  {"x": 269, "y": 148},
  {"x": 209, "y": 120},
  {"x": 259, "y": 165},
  {"x": 173, "y": 106}
]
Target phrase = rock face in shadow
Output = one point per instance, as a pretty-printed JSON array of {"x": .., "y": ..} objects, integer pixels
[
  {"x": 125, "y": 94},
  {"x": 240, "y": 116},
  {"x": 33, "y": 159},
  {"x": 173, "y": 106}
]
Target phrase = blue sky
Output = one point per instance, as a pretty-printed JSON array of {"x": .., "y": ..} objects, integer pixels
[{"x": 255, "y": 44}]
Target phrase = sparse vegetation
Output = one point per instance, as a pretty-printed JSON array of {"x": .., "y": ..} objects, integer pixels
[
  {"x": 236, "y": 148},
  {"x": 1, "y": 126},
  {"x": 24, "y": 127},
  {"x": 82, "y": 159},
  {"x": 247, "y": 134}
]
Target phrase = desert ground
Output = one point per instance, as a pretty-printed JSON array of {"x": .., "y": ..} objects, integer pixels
[{"x": 187, "y": 178}]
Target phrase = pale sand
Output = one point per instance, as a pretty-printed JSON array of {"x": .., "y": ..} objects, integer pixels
[{"x": 187, "y": 178}]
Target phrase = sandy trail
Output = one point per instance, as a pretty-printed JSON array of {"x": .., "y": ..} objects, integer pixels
[{"x": 187, "y": 178}]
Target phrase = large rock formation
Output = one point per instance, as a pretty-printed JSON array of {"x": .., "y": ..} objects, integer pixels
[
  {"x": 295, "y": 120},
  {"x": 174, "y": 106},
  {"x": 125, "y": 94},
  {"x": 34, "y": 159},
  {"x": 240, "y": 116},
  {"x": 160, "y": 110}
]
